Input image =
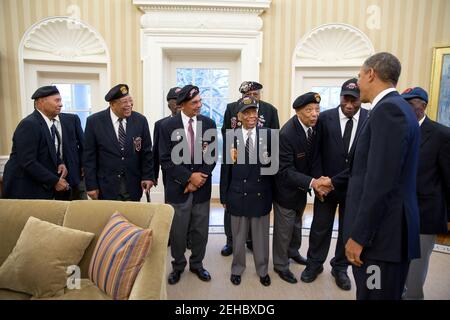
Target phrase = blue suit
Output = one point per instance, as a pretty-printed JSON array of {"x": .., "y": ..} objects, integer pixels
[
  {"x": 104, "y": 163},
  {"x": 32, "y": 169},
  {"x": 381, "y": 211}
]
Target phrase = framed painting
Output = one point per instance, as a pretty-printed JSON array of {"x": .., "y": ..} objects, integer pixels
[{"x": 439, "y": 105}]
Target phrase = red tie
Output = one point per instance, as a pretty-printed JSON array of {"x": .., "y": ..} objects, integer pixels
[{"x": 191, "y": 139}]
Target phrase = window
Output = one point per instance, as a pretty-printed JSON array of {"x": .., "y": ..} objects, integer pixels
[
  {"x": 214, "y": 90},
  {"x": 76, "y": 99},
  {"x": 331, "y": 97}
]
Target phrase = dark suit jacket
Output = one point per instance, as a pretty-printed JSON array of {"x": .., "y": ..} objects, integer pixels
[
  {"x": 104, "y": 162},
  {"x": 32, "y": 169},
  {"x": 73, "y": 141},
  {"x": 156, "y": 157},
  {"x": 294, "y": 175},
  {"x": 242, "y": 187},
  {"x": 178, "y": 174},
  {"x": 433, "y": 177},
  {"x": 381, "y": 211},
  {"x": 332, "y": 158}
]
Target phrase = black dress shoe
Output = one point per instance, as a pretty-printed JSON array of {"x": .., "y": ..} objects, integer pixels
[
  {"x": 300, "y": 260},
  {"x": 235, "y": 279},
  {"x": 310, "y": 274},
  {"x": 202, "y": 274},
  {"x": 174, "y": 276},
  {"x": 226, "y": 250},
  {"x": 342, "y": 280},
  {"x": 265, "y": 281},
  {"x": 287, "y": 276}
]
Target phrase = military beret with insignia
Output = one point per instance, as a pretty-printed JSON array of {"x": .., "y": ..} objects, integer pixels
[
  {"x": 173, "y": 93},
  {"x": 416, "y": 92},
  {"x": 117, "y": 92},
  {"x": 187, "y": 93},
  {"x": 43, "y": 92},
  {"x": 247, "y": 86},
  {"x": 247, "y": 103},
  {"x": 350, "y": 88},
  {"x": 305, "y": 99}
]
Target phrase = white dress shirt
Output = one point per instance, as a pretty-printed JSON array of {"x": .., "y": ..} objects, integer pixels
[
  {"x": 116, "y": 123},
  {"x": 252, "y": 135},
  {"x": 58, "y": 127},
  {"x": 305, "y": 128},
  {"x": 185, "y": 120},
  {"x": 343, "y": 121},
  {"x": 381, "y": 95},
  {"x": 421, "y": 121}
]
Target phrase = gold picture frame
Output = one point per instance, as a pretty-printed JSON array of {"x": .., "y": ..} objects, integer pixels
[{"x": 439, "y": 104}]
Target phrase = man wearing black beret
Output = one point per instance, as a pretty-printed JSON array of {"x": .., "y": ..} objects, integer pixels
[
  {"x": 267, "y": 118},
  {"x": 35, "y": 169},
  {"x": 298, "y": 149},
  {"x": 118, "y": 159},
  {"x": 188, "y": 180}
]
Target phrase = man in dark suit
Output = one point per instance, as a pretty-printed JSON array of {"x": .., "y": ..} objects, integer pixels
[
  {"x": 267, "y": 118},
  {"x": 246, "y": 192},
  {"x": 72, "y": 137},
  {"x": 294, "y": 179},
  {"x": 433, "y": 189},
  {"x": 188, "y": 160},
  {"x": 336, "y": 131},
  {"x": 174, "y": 109},
  {"x": 381, "y": 223},
  {"x": 118, "y": 160},
  {"x": 35, "y": 169}
]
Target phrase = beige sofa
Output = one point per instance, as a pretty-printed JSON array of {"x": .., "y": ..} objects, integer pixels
[{"x": 92, "y": 216}]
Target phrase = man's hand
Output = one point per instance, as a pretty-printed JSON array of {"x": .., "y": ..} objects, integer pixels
[
  {"x": 322, "y": 187},
  {"x": 146, "y": 185},
  {"x": 62, "y": 185},
  {"x": 353, "y": 252},
  {"x": 198, "y": 179},
  {"x": 93, "y": 194},
  {"x": 62, "y": 170},
  {"x": 190, "y": 188}
]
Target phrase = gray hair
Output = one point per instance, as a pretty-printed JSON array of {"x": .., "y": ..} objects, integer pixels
[{"x": 386, "y": 66}]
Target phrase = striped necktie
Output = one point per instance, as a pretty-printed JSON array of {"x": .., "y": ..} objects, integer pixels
[{"x": 122, "y": 135}]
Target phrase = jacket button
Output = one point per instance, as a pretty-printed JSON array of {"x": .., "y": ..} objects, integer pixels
[
  {"x": 123, "y": 158},
  {"x": 259, "y": 194},
  {"x": 118, "y": 176},
  {"x": 245, "y": 194},
  {"x": 258, "y": 180},
  {"x": 245, "y": 181}
]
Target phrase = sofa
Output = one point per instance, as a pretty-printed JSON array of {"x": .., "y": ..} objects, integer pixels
[{"x": 92, "y": 216}]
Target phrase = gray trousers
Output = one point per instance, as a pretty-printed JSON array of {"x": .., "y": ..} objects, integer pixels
[
  {"x": 287, "y": 235},
  {"x": 260, "y": 238},
  {"x": 193, "y": 219},
  {"x": 418, "y": 269}
]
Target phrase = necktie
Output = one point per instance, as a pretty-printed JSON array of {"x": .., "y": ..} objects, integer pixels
[
  {"x": 309, "y": 140},
  {"x": 56, "y": 138},
  {"x": 347, "y": 134},
  {"x": 122, "y": 136},
  {"x": 249, "y": 148},
  {"x": 191, "y": 139}
]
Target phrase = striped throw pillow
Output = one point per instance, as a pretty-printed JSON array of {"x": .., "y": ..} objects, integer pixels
[{"x": 118, "y": 256}]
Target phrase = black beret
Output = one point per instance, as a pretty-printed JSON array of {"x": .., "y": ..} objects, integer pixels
[
  {"x": 45, "y": 92},
  {"x": 307, "y": 98},
  {"x": 350, "y": 88},
  {"x": 247, "y": 86},
  {"x": 247, "y": 103},
  {"x": 173, "y": 93},
  {"x": 117, "y": 92},
  {"x": 187, "y": 93}
]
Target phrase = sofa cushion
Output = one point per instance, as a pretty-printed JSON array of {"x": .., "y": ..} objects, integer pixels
[
  {"x": 118, "y": 256},
  {"x": 13, "y": 295},
  {"x": 15, "y": 213},
  {"x": 87, "y": 291},
  {"x": 38, "y": 263}
]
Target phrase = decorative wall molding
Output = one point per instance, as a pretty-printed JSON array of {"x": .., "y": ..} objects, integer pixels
[
  {"x": 197, "y": 15},
  {"x": 333, "y": 45},
  {"x": 64, "y": 39}
]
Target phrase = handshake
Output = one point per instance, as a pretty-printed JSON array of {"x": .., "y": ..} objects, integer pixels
[{"x": 322, "y": 187}]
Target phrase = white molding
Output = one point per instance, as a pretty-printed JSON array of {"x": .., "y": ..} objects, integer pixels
[
  {"x": 62, "y": 41},
  {"x": 204, "y": 5}
]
